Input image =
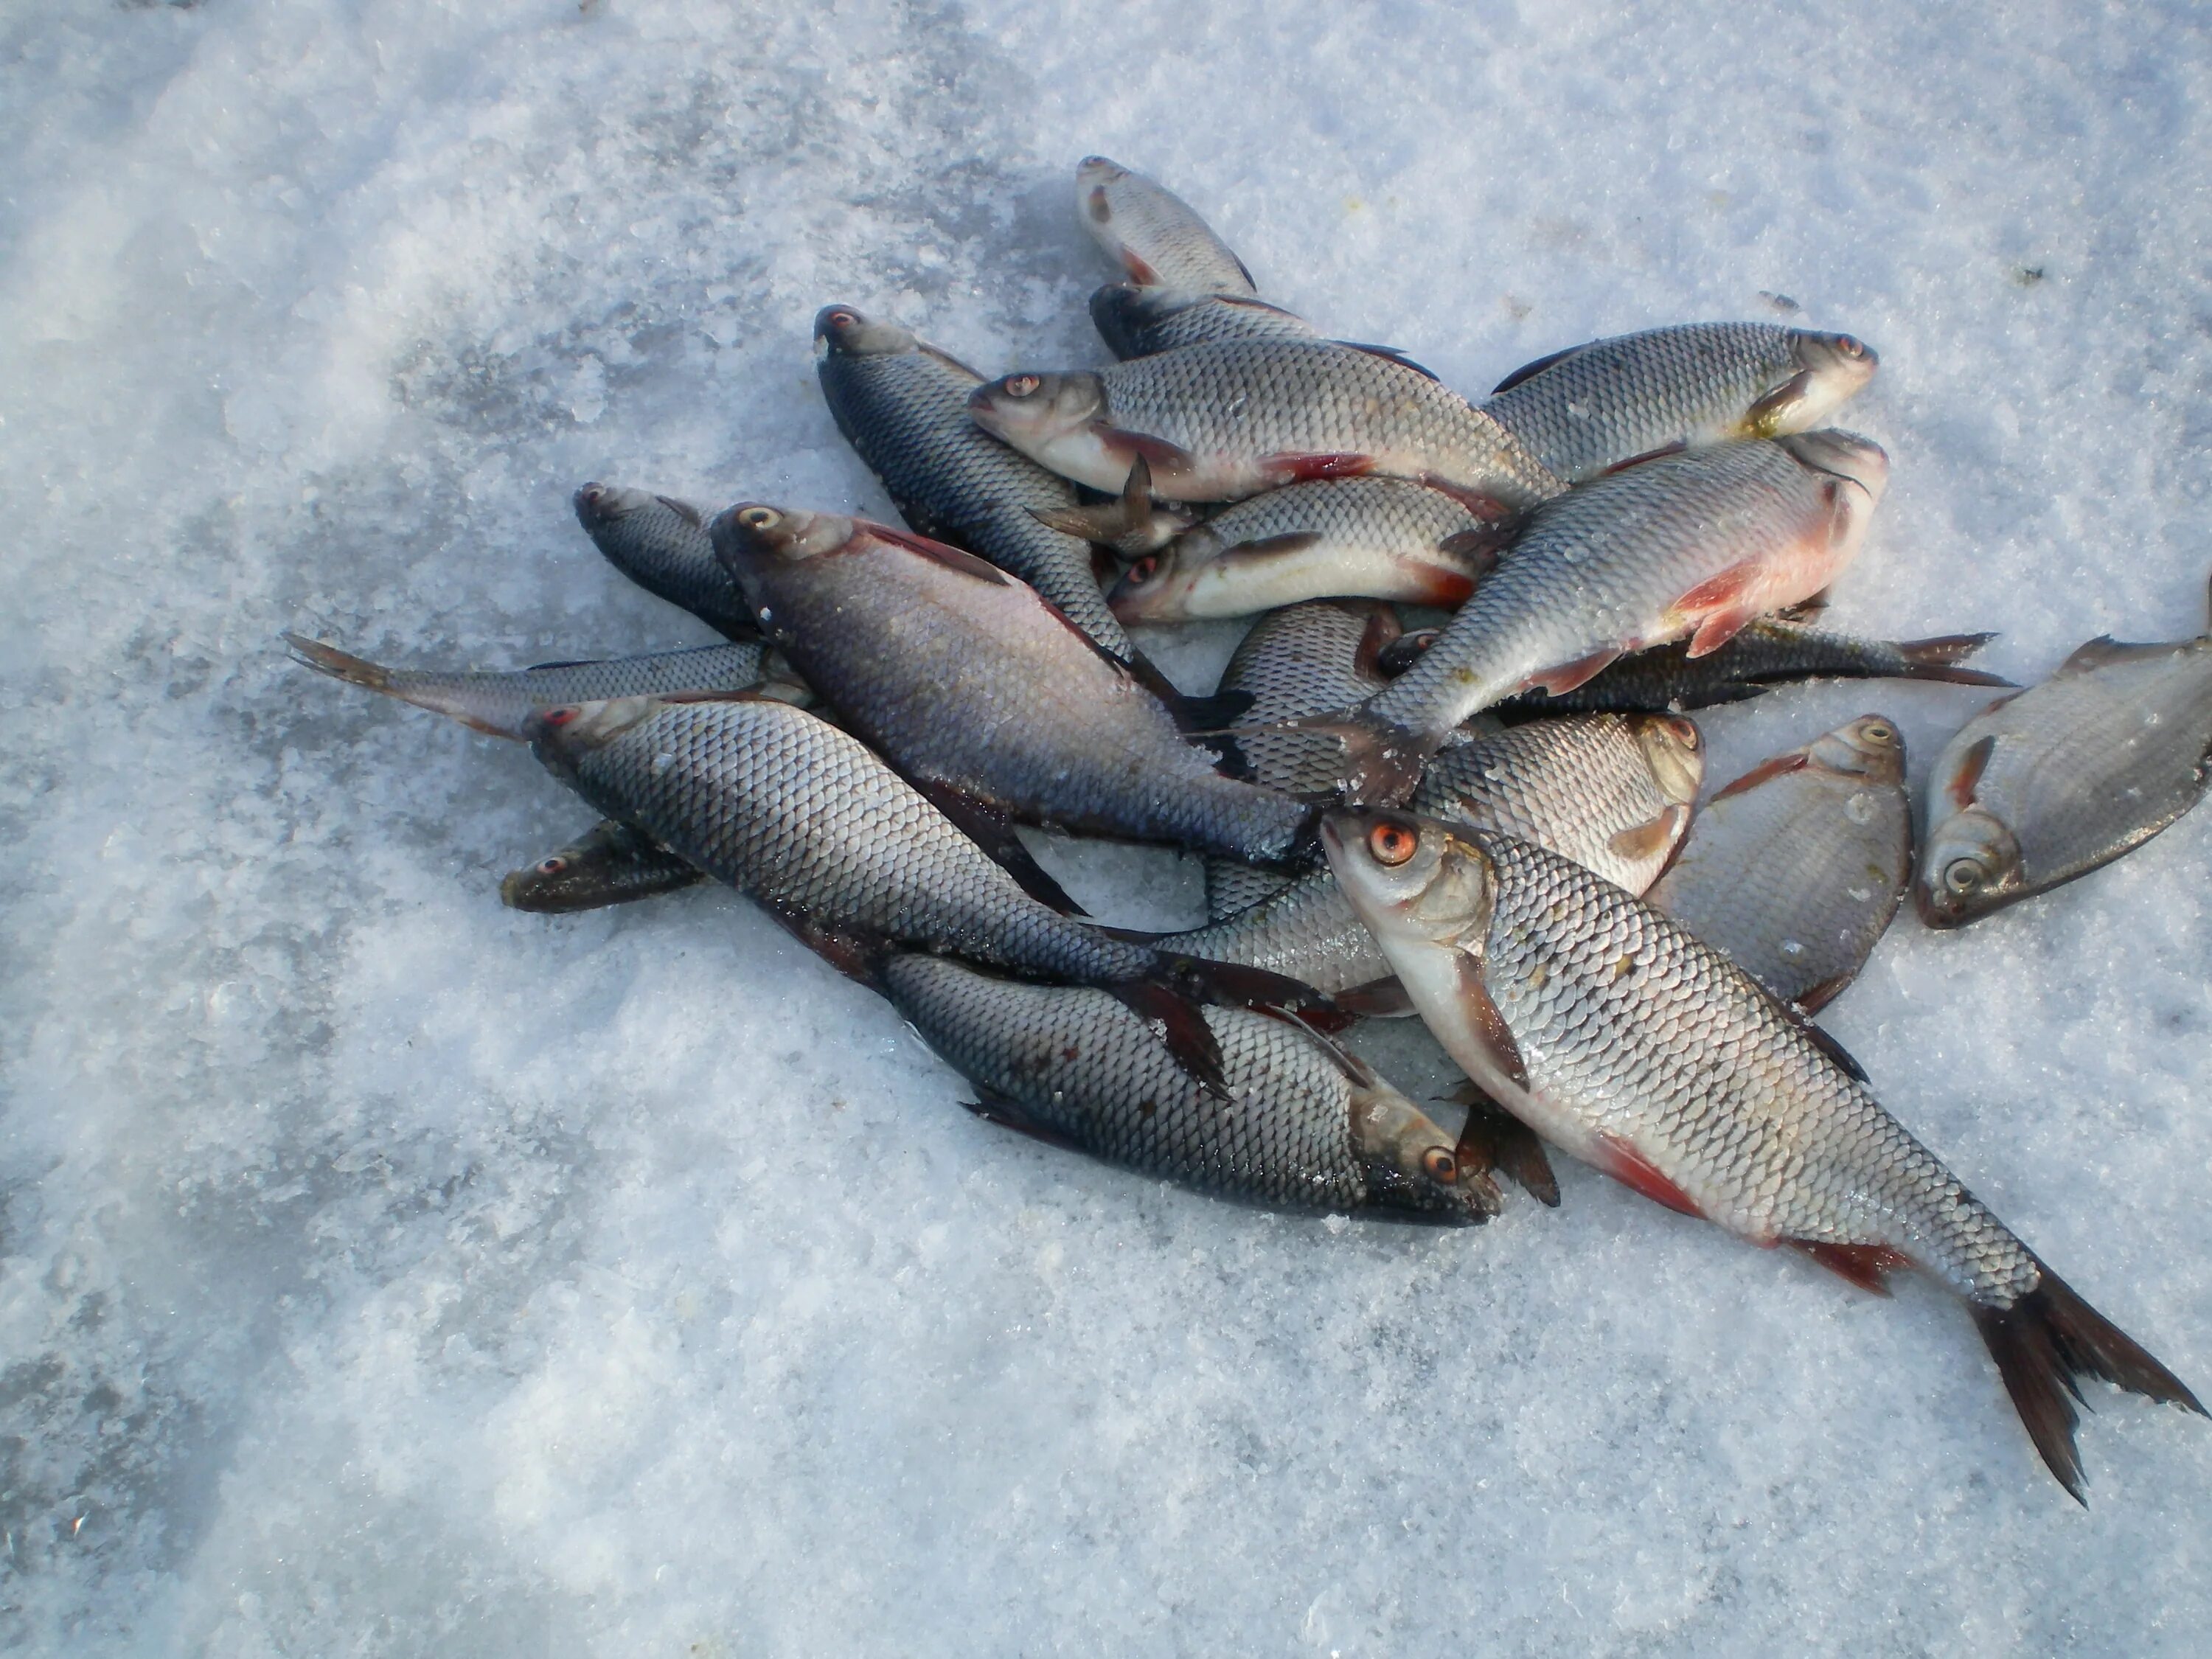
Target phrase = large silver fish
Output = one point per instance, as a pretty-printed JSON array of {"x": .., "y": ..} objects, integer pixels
[
  {"x": 1136, "y": 321},
  {"x": 1302, "y": 1126},
  {"x": 1618, "y": 1036},
  {"x": 613, "y": 863},
  {"x": 1689, "y": 546},
  {"x": 2053, "y": 782},
  {"x": 660, "y": 544},
  {"x": 499, "y": 704},
  {"x": 1224, "y": 421},
  {"x": 1597, "y": 406},
  {"x": 984, "y": 695},
  {"x": 1153, "y": 234},
  {"x": 1795, "y": 869},
  {"x": 805, "y": 820},
  {"x": 904, "y": 405}
]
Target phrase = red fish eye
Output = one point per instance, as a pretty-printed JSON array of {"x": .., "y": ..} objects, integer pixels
[
  {"x": 1440, "y": 1165},
  {"x": 1143, "y": 571},
  {"x": 842, "y": 319},
  {"x": 1021, "y": 386},
  {"x": 1685, "y": 733},
  {"x": 1392, "y": 844},
  {"x": 1849, "y": 347},
  {"x": 758, "y": 518},
  {"x": 557, "y": 718},
  {"x": 552, "y": 866}
]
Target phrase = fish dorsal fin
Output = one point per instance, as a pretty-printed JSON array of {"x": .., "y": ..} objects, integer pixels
[
  {"x": 684, "y": 510},
  {"x": 1767, "y": 770},
  {"x": 1819, "y": 1037},
  {"x": 951, "y": 558},
  {"x": 1530, "y": 370},
  {"x": 1390, "y": 355},
  {"x": 938, "y": 355},
  {"x": 2104, "y": 650},
  {"x": 991, "y": 828}
]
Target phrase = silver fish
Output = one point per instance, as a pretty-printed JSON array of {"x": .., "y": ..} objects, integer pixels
[
  {"x": 500, "y": 704},
  {"x": 660, "y": 544},
  {"x": 806, "y": 821},
  {"x": 1619, "y": 1036},
  {"x": 1380, "y": 538},
  {"x": 1227, "y": 420},
  {"x": 1151, "y": 233},
  {"x": 612, "y": 863},
  {"x": 1304, "y": 1127},
  {"x": 1795, "y": 869},
  {"x": 1688, "y": 546},
  {"x": 904, "y": 405},
  {"x": 1136, "y": 321},
  {"x": 2053, "y": 782},
  {"x": 1598, "y": 406}
]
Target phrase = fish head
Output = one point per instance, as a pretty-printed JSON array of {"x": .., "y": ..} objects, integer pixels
[
  {"x": 1871, "y": 747},
  {"x": 845, "y": 331},
  {"x": 1411, "y": 878},
  {"x": 753, "y": 537},
  {"x": 1972, "y": 865},
  {"x": 1411, "y": 1163},
  {"x": 1825, "y": 371},
  {"x": 1844, "y": 455},
  {"x": 560, "y": 736},
  {"x": 1674, "y": 750},
  {"x": 1155, "y": 588},
  {"x": 599, "y": 505},
  {"x": 1402, "y": 652},
  {"x": 1034, "y": 412}
]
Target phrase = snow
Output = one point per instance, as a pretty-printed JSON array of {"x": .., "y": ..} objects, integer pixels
[{"x": 385, "y": 1272}]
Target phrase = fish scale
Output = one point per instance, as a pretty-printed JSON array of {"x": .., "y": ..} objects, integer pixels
[
  {"x": 1153, "y": 234},
  {"x": 1136, "y": 321},
  {"x": 660, "y": 544}
]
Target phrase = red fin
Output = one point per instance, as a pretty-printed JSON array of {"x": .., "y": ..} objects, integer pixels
[
  {"x": 1379, "y": 999},
  {"x": 1631, "y": 1169},
  {"x": 1659, "y": 453},
  {"x": 1448, "y": 588},
  {"x": 1968, "y": 777},
  {"x": 1381, "y": 631},
  {"x": 1793, "y": 762},
  {"x": 950, "y": 557},
  {"x": 1297, "y": 468},
  {"x": 1567, "y": 676},
  {"x": 1862, "y": 1264},
  {"x": 1479, "y": 502}
]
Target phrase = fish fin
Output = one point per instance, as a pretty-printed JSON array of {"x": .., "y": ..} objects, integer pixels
[
  {"x": 856, "y": 955},
  {"x": 1147, "y": 674},
  {"x": 1557, "y": 681},
  {"x": 1717, "y": 609},
  {"x": 992, "y": 828},
  {"x": 2047, "y": 1339},
  {"x": 1620, "y": 1160},
  {"x": 1938, "y": 658},
  {"x": 1389, "y": 355},
  {"x": 1382, "y": 763},
  {"x": 1131, "y": 524},
  {"x": 1766, "y": 770},
  {"x": 1493, "y": 1139},
  {"x": 1765, "y": 416},
  {"x": 1805, "y": 609},
  {"x": 1816, "y": 996},
  {"x": 1864, "y": 1265},
  {"x": 1649, "y": 839},
  {"x": 1490, "y": 1027},
  {"x": 1159, "y": 456},
  {"x": 1182, "y": 1027},
  {"x": 2105, "y": 649},
  {"x": 684, "y": 510},
  {"x": 1273, "y": 547},
  {"x": 1378, "y": 999},
  {"x": 1818, "y": 1035},
  {"x": 1659, "y": 453},
  {"x": 1299, "y": 467},
  {"x": 952, "y": 558},
  {"x": 1968, "y": 777},
  {"x": 1003, "y": 1110},
  {"x": 1210, "y": 716},
  {"x": 1719, "y": 692},
  {"x": 1402, "y": 652},
  {"x": 1236, "y": 985},
  {"x": 939, "y": 354},
  {"x": 1480, "y": 502},
  {"x": 1443, "y": 586},
  {"x": 1382, "y": 629},
  {"x": 1529, "y": 371},
  {"x": 1476, "y": 548},
  {"x": 373, "y": 676}
]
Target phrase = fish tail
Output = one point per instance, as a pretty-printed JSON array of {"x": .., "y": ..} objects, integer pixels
[
  {"x": 1234, "y": 985},
  {"x": 339, "y": 664},
  {"x": 489, "y": 715},
  {"x": 2043, "y": 1343},
  {"x": 1381, "y": 763},
  {"x": 1128, "y": 523},
  {"x": 1938, "y": 658}
]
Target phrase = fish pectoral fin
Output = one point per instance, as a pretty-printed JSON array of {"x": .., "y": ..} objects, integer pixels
[
  {"x": 1864, "y": 1265},
  {"x": 991, "y": 828},
  {"x": 1764, "y": 417},
  {"x": 951, "y": 558},
  {"x": 1493, "y": 1140},
  {"x": 1476, "y": 548},
  {"x": 1529, "y": 371},
  {"x": 1779, "y": 766},
  {"x": 1481, "y": 502},
  {"x": 1270, "y": 547},
  {"x": 1620, "y": 1160},
  {"x": 1816, "y": 996},
  {"x": 856, "y": 955},
  {"x": 1490, "y": 1030},
  {"x": 1181, "y": 1028},
  {"x": 1161, "y": 458},
  {"x": 1968, "y": 777},
  {"x": 1008, "y": 1113},
  {"x": 1568, "y": 675},
  {"x": 1717, "y": 609},
  {"x": 1300, "y": 466},
  {"x": 1378, "y": 999},
  {"x": 1649, "y": 840}
]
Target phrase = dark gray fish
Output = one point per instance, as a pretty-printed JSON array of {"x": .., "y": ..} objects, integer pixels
[
  {"x": 806, "y": 821},
  {"x": 1615, "y": 1034},
  {"x": 1769, "y": 651},
  {"x": 2063, "y": 778},
  {"x": 612, "y": 863},
  {"x": 498, "y": 704},
  {"x": 902, "y": 405},
  {"x": 1597, "y": 406},
  {"x": 1301, "y": 1127},
  {"x": 1136, "y": 321},
  {"x": 983, "y": 695},
  {"x": 1151, "y": 233},
  {"x": 660, "y": 544}
]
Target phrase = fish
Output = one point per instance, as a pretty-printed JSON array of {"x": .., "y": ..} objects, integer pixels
[
  {"x": 1769, "y": 652},
  {"x": 1795, "y": 869},
  {"x": 1588, "y": 409},
  {"x": 1303, "y": 1126},
  {"x": 2061, "y": 779},
  {"x": 1136, "y": 321},
  {"x": 1619, "y": 1036},
  {"x": 809, "y": 823},
  {"x": 1690, "y": 546},
  {"x": 1612, "y": 791},
  {"x": 612, "y": 863},
  {"x": 902, "y": 405},
  {"x": 1153, "y": 234},
  {"x": 1381, "y": 538},
  {"x": 1223, "y": 420},
  {"x": 660, "y": 544},
  {"x": 500, "y": 704},
  {"x": 985, "y": 697}
]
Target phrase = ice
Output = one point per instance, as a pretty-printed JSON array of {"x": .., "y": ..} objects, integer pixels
[{"x": 385, "y": 1272}]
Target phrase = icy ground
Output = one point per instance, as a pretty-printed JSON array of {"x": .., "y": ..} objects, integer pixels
[{"x": 382, "y": 1272}]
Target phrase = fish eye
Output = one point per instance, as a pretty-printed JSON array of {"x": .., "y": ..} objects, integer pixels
[
  {"x": 1849, "y": 346},
  {"x": 1878, "y": 731},
  {"x": 1021, "y": 386},
  {"x": 1144, "y": 570},
  {"x": 760, "y": 518},
  {"x": 1392, "y": 844},
  {"x": 1440, "y": 1166},
  {"x": 552, "y": 867},
  {"x": 1685, "y": 733},
  {"x": 842, "y": 319},
  {"x": 557, "y": 718},
  {"x": 1962, "y": 875}
]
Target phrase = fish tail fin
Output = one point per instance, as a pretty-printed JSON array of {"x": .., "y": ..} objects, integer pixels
[
  {"x": 1182, "y": 1028},
  {"x": 339, "y": 664},
  {"x": 1380, "y": 764},
  {"x": 1235, "y": 985},
  {"x": 1938, "y": 658},
  {"x": 1129, "y": 524},
  {"x": 2043, "y": 1343}
]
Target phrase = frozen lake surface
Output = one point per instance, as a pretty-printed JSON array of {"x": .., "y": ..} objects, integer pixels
[{"x": 384, "y": 1272}]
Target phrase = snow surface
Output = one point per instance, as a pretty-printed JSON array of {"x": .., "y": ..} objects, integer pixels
[{"x": 385, "y": 1272}]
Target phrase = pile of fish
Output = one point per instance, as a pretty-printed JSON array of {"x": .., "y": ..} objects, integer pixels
[{"x": 1489, "y": 821}]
